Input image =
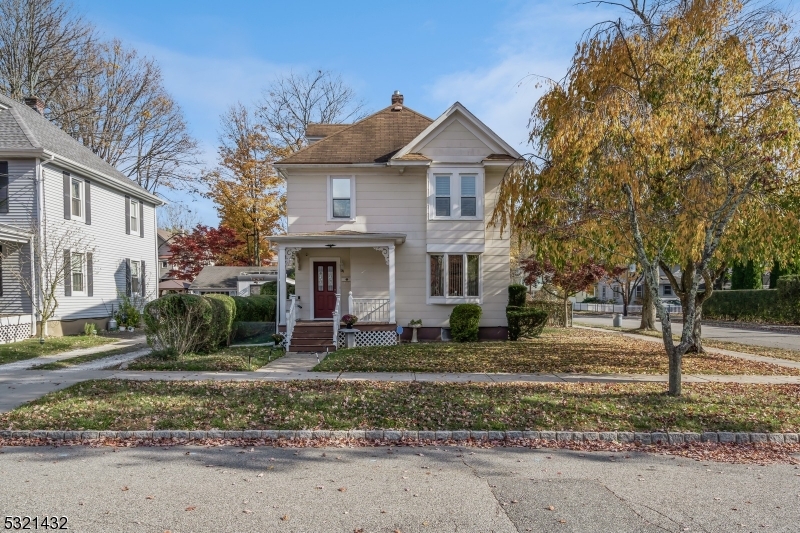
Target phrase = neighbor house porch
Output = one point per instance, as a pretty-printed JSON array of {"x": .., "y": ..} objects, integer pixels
[{"x": 337, "y": 273}]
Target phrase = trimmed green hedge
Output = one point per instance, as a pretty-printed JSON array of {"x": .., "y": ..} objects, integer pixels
[
  {"x": 516, "y": 295},
  {"x": 781, "y": 305},
  {"x": 255, "y": 308},
  {"x": 177, "y": 323},
  {"x": 269, "y": 288},
  {"x": 223, "y": 313},
  {"x": 464, "y": 322},
  {"x": 525, "y": 322}
]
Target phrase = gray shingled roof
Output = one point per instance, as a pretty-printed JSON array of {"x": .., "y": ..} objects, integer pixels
[
  {"x": 224, "y": 277},
  {"x": 23, "y": 128}
]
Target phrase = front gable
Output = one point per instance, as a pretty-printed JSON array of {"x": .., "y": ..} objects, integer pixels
[{"x": 457, "y": 136}]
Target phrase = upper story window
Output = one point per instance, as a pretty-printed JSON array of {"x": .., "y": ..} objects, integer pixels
[
  {"x": 133, "y": 221},
  {"x": 341, "y": 198},
  {"x": 76, "y": 198},
  {"x": 455, "y": 194}
]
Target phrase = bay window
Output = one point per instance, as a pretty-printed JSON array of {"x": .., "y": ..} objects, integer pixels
[{"x": 454, "y": 277}]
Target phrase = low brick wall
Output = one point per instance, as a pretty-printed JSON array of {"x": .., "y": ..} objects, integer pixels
[{"x": 625, "y": 437}]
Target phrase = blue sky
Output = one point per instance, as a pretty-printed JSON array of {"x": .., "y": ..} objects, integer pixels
[{"x": 485, "y": 54}]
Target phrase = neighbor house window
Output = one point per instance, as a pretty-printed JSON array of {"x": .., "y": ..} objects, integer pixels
[
  {"x": 136, "y": 277},
  {"x": 667, "y": 290},
  {"x": 76, "y": 195},
  {"x": 469, "y": 199},
  {"x": 341, "y": 198},
  {"x": 443, "y": 196},
  {"x": 455, "y": 276},
  {"x": 78, "y": 273},
  {"x": 134, "y": 218}
]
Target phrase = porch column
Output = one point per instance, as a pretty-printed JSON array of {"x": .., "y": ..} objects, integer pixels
[
  {"x": 281, "y": 318},
  {"x": 392, "y": 318}
]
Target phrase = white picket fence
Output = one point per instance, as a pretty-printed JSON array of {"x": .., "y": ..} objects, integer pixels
[{"x": 619, "y": 308}]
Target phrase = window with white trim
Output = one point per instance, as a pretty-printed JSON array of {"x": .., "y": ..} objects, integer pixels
[
  {"x": 78, "y": 273},
  {"x": 341, "y": 198},
  {"x": 454, "y": 276},
  {"x": 455, "y": 193},
  {"x": 76, "y": 197},
  {"x": 667, "y": 290},
  {"x": 136, "y": 278},
  {"x": 133, "y": 221}
]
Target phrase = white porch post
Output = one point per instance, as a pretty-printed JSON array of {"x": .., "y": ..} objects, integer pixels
[
  {"x": 392, "y": 318},
  {"x": 281, "y": 318}
]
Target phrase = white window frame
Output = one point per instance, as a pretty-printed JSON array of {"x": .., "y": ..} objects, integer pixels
[
  {"x": 329, "y": 197},
  {"x": 138, "y": 276},
  {"x": 84, "y": 276},
  {"x": 453, "y": 299},
  {"x": 82, "y": 185},
  {"x": 667, "y": 288},
  {"x": 455, "y": 174},
  {"x": 133, "y": 212}
]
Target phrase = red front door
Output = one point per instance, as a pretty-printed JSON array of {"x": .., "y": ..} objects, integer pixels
[{"x": 324, "y": 289}]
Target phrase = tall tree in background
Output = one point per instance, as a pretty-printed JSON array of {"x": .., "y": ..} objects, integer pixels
[
  {"x": 103, "y": 94},
  {"x": 249, "y": 193},
  {"x": 44, "y": 49},
  {"x": 675, "y": 133},
  {"x": 177, "y": 217},
  {"x": 294, "y": 101}
]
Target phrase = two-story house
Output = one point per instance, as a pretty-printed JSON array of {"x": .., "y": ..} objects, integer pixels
[
  {"x": 67, "y": 216},
  {"x": 387, "y": 220}
]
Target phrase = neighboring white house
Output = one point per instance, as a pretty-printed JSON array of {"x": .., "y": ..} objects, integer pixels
[
  {"x": 54, "y": 186},
  {"x": 387, "y": 220},
  {"x": 233, "y": 280}
]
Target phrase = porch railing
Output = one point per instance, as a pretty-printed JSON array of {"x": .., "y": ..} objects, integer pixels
[
  {"x": 369, "y": 309},
  {"x": 337, "y": 317},
  {"x": 291, "y": 320}
]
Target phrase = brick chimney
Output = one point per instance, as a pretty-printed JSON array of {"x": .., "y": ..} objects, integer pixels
[
  {"x": 36, "y": 104},
  {"x": 397, "y": 101}
]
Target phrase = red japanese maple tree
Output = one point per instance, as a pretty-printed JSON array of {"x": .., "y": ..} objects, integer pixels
[
  {"x": 562, "y": 281},
  {"x": 203, "y": 246}
]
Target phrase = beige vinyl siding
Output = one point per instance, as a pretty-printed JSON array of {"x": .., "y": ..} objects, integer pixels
[
  {"x": 388, "y": 201},
  {"x": 111, "y": 245},
  {"x": 456, "y": 144}
]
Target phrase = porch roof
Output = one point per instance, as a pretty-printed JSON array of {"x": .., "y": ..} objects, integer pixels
[
  {"x": 13, "y": 234},
  {"x": 322, "y": 238}
]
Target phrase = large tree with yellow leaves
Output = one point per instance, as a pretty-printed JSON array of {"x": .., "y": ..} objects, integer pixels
[{"x": 674, "y": 139}]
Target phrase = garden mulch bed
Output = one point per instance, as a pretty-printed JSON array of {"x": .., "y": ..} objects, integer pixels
[
  {"x": 555, "y": 351},
  {"x": 152, "y": 405},
  {"x": 231, "y": 359}
]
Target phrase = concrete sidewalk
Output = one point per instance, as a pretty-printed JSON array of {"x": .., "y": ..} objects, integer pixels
[{"x": 30, "y": 363}]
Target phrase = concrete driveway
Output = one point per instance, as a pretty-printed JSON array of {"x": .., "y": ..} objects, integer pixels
[
  {"x": 381, "y": 489},
  {"x": 754, "y": 337}
]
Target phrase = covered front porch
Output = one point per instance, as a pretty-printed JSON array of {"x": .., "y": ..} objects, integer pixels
[
  {"x": 338, "y": 273},
  {"x": 17, "y": 283}
]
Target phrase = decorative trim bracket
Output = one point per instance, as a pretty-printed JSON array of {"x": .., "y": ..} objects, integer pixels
[
  {"x": 385, "y": 251},
  {"x": 290, "y": 255}
]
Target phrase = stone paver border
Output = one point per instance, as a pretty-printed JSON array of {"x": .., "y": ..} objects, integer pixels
[{"x": 391, "y": 435}]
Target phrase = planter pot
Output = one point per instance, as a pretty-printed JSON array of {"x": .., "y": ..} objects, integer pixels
[
  {"x": 414, "y": 333},
  {"x": 131, "y": 328},
  {"x": 350, "y": 337}
]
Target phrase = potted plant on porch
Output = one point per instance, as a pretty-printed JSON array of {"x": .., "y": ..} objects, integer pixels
[{"x": 350, "y": 334}]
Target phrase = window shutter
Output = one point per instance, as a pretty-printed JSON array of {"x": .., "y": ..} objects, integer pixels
[
  {"x": 128, "y": 215},
  {"x": 67, "y": 273},
  {"x": 128, "y": 277},
  {"x": 90, "y": 273},
  {"x": 67, "y": 197},
  {"x": 142, "y": 287},
  {"x": 3, "y": 186},
  {"x": 1, "y": 270},
  {"x": 87, "y": 202},
  {"x": 141, "y": 219}
]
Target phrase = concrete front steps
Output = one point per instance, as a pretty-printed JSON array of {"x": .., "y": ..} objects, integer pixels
[{"x": 312, "y": 337}]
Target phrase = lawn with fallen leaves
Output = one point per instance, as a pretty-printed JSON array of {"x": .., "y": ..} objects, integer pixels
[
  {"x": 557, "y": 350},
  {"x": 149, "y": 405},
  {"x": 231, "y": 359},
  {"x": 30, "y": 348}
]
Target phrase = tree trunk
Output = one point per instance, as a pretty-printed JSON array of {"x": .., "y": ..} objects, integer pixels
[
  {"x": 567, "y": 312},
  {"x": 648, "y": 310},
  {"x": 675, "y": 385},
  {"x": 697, "y": 337}
]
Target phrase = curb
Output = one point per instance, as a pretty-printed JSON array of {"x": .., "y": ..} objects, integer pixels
[{"x": 625, "y": 437}]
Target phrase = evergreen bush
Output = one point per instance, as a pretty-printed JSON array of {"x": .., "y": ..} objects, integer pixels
[
  {"x": 516, "y": 295},
  {"x": 464, "y": 322},
  {"x": 255, "y": 308},
  {"x": 177, "y": 323},
  {"x": 223, "y": 314},
  {"x": 525, "y": 322}
]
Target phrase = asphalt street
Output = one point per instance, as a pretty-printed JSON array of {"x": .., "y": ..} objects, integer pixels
[
  {"x": 423, "y": 489},
  {"x": 754, "y": 337}
]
